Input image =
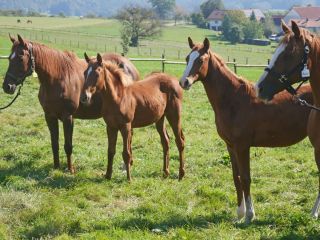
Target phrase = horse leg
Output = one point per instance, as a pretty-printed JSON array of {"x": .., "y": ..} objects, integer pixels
[
  {"x": 161, "y": 128},
  {"x": 112, "y": 134},
  {"x": 68, "y": 132},
  {"x": 315, "y": 209},
  {"x": 243, "y": 162},
  {"x": 175, "y": 122},
  {"x": 53, "y": 126},
  {"x": 126, "y": 154},
  {"x": 241, "y": 210}
]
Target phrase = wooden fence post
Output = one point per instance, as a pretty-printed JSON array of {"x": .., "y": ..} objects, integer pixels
[
  {"x": 163, "y": 63},
  {"x": 235, "y": 66}
]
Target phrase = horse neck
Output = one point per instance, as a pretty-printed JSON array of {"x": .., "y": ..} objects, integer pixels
[
  {"x": 315, "y": 71},
  {"x": 50, "y": 65},
  {"x": 113, "y": 88},
  {"x": 221, "y": 84}
]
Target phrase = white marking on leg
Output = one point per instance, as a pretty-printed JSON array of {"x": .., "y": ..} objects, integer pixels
[
  {"x": 315, "y": 208},
  {"x": 250, "y": 214},
  {"x": 241, "y": 210},
  {"x": 274, "y": 58},
  {"x": 89, "y": 71},
  {"x": 13, "y": 55},
  {"x": 193, "y": 56}
]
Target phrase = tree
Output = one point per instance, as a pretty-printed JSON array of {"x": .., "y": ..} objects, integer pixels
[
  {"x": 138, "y": 22},
  {"x": 198, "y": 20},
  {"x": 210, "y": 5},
  {"x": 253, "y": 16},
  {"x": 235, "y": 34},
  {"x": 253, "y": 29},
  {"x": 232, "y": 25},
  {"x": 163, "y": 8},
  {"x": 268, "y": 26},
  {"x": 179, "y": 14}
]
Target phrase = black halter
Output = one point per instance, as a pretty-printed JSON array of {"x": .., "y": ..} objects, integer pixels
[
  {"x": 284, "y": 78},
  {"x": 20, "y": 80}
]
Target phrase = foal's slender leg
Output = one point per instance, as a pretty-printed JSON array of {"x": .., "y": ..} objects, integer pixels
[
  {"x": 68, "y": 132},
  {"x": 112, "y": 142},
  {"x": 175, "y": 122},
  {"x": 243, "y": 161},
  {"x": 126, "y": 154},
  {"x": 161, "y": 128},
  {"x": 53, "y": 126},
  {"x": 241, "y": 211},
  {"x": 315, "y": 209}
]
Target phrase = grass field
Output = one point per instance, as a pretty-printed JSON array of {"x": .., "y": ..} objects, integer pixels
[{"x": 39, "y": 202}]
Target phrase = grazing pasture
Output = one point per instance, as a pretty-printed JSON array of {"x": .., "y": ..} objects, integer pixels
[{"x": 38, "y": 201}]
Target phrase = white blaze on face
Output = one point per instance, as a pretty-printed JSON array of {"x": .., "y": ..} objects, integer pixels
[
  {"x": 193, "y": 56},
  {"x": 89, "y": 71},
  {"x": 274, "y": 58},
  {"x": 13, "y": 55}
]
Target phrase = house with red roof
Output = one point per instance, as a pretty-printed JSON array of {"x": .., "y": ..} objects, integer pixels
[
  {"x": 307, "y": 17},
  {"x": 215, "y": 19}
]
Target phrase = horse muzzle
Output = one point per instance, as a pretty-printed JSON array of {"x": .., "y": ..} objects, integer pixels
[
  {"x": 186, "y": 83},
  {"x": 85, "y": 99},
  {"x": 9, "y": 88}
]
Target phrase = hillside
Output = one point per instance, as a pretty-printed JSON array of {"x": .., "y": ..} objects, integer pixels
[{"x": 110, "y": 7}]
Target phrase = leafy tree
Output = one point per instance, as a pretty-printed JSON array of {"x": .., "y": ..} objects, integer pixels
[
  {"x": 138, "y": 22},
  {"x": 268, "y": 26},
  {"x": 198, "y": 20},
  {"x": 163, "y": 8},
  {"x": 253, "y": 16},
  {"x": 253, "y": 29},
  {"x": 208, "y": 6},
  {"x": 235, "y": 34},
  {"x": 232, "y": 25},
  {"x": 179, "y": 14},
  {"x": 125, "y": 39}
]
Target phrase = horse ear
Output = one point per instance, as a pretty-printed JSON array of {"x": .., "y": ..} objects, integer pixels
[
  {"x": 21, "y": 41},
  {"x": 191, "y": 44},
  {"x": 86, "y": 57},
  {"x": 99, "y": 58},
  {"x": 12, "y": 38},
  {"x": 206, "y": 44},
  {"x": 295, "y": 29},
  {"x": 284, "y": 27}
]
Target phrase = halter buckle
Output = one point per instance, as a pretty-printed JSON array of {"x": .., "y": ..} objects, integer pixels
[{"x": 283, "y": 78}]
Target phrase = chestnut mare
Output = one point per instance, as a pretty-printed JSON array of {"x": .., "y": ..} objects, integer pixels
[
  {"x": 137, "y": 105},
  {"x": 242, "y": 120},
  {"x": 61, "y": 80},
  {"x": 296, "y": 58}
]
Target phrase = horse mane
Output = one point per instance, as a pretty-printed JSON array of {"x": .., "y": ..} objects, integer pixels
[
  {"x": 118, "y": 72},
  {"x": 220, "y": 64},
  {"x": 57, "y": 63}
]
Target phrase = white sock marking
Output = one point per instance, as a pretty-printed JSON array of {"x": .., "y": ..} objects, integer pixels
[
  {"x": 193, "y": 56},
  {"x": 315, "y": 208},
  {"x": 241, "y": 211}
]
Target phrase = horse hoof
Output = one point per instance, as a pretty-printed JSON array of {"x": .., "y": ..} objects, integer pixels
[
  {"x": 56, "y": 166},
  {"x": 166, "y": 173},
  {"x": 72, "y": 170},
  {"x": 314, "y": 216},
  {"x": 107, "y": 176},
  {"x": 249, "y": 218},
  {"x": 181, "y": 175}
]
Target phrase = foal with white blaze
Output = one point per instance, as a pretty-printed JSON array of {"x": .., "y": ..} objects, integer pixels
[{"x": 243, "y": 120}]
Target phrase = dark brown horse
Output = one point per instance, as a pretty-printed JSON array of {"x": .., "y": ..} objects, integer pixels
[
  {"x": 297, "y": 57},
  {"x": 61, "y": 80},
  {"x": 137, "y": 105},
  {"x": 242, "y": 120}
]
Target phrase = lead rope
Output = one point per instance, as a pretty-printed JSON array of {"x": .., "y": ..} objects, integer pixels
[{"x": 13, "y": 100}]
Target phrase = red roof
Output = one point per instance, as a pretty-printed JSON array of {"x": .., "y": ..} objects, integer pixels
[
  {"x": 307, "y": 23},
  {"x": 308, "y": 12},
  {"x": 216, "y": 15}
]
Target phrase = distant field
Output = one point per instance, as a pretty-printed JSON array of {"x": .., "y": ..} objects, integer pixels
[
  {"x": 103, "y": 35},
  {"x": 37, "y": 202}
]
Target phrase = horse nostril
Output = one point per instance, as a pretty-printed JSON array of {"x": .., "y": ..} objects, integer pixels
[
  {"x": 186, "y": 83},
  {"x": 260, "y": 90}
]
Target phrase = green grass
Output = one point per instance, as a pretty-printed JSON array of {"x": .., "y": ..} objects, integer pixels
[{"x": 39, "y": 202}]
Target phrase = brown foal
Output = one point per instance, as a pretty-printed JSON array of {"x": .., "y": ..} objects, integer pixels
[
  {"x": 127, "y": 106},
  {"x": 242, "y": 119}
]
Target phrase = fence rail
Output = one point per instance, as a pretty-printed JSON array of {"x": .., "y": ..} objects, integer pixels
[{"x": 164, "y": 62}]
